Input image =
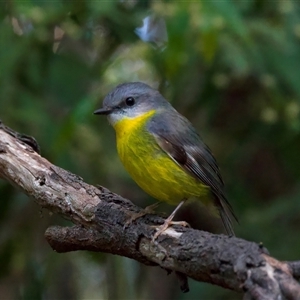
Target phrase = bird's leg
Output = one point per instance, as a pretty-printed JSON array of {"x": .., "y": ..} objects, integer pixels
[
  {"x": 150, "y": 209},
  {"x": 168, "y": 222}
]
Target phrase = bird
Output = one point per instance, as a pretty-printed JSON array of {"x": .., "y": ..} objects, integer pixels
[{"x": 162, "y": 151}]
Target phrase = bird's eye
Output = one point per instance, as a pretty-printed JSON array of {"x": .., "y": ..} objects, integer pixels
[{"x": 130, "y": 101}]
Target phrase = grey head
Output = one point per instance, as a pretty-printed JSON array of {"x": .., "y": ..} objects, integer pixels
[{"x": 131, "y": 100}]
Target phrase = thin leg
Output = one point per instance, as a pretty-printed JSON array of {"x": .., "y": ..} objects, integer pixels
[
  {"x": 147, "y": 210},
  {"x": 169, "y": 222}
]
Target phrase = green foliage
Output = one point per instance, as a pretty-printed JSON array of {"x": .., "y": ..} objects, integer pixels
[{"x": 232, "y": 67}]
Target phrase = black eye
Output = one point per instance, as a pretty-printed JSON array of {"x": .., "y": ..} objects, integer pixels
[{"x": 130, "y": 101}]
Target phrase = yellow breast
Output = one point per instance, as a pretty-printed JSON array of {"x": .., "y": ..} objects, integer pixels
[
  {"x": 150, "y": 167},
  {"x": 129, "y": 126}
]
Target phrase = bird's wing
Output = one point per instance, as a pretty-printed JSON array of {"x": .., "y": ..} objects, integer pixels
[{"x": 178, "y": 138}]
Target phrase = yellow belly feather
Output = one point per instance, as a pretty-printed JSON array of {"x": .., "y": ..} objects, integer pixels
[{"x": 150, "y": 167}]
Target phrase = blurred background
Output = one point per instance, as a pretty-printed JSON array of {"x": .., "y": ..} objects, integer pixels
[{"x": 231, "y": 67}]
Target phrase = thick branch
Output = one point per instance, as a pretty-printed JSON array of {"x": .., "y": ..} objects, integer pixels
[{"x": 100, "y": 217}]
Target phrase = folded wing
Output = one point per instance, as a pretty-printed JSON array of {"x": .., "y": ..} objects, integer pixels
[{"x": 178, "y": 138}]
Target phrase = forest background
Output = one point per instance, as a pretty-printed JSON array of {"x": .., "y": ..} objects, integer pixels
[{"x": 231, "y": 67}]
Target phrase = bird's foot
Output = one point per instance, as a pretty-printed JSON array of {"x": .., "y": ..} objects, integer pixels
[
  {"x": 146, "y": 211},
  {"x": 168, "y": 223}
]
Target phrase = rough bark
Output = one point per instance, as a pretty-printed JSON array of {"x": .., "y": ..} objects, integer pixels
[{"x": 100, "y": 218}]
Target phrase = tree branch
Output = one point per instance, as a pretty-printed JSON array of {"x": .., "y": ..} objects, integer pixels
[{"x": 100, "y": 217}]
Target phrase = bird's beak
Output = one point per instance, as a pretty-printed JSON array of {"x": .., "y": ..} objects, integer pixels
[{"x": 103, "y": 111}]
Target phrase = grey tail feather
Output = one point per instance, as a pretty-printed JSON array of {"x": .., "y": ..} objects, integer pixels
[
  {"x": 226, "y": 212},
  {"x": 226, "y": 222}
]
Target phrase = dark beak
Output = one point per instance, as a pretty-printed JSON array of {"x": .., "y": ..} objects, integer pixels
[{"x": 103, "y": 111}]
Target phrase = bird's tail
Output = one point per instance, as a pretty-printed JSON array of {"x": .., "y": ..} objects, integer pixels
[{"x": 226, "y": 213}]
